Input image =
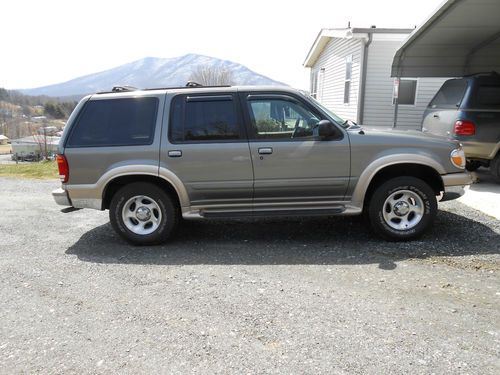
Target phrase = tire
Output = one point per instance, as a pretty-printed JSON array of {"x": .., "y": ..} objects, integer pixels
[
  {"x": 472, "y": 165},
  {"x": 495, "y": 167},
  {"x": 143, "y": 214},
  {"x": 402, "y": 208}
]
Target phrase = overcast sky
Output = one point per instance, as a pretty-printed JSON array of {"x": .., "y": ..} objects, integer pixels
[{"x": 47, "y": 42}]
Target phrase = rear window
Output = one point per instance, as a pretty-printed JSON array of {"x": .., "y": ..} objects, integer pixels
[
  {"x": 450, "y": 94},
  {"x": 115, "y": 122},
  {"x": 487, "y": 96}
]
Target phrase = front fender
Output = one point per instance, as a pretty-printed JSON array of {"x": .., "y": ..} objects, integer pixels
[{"x": 377, "y": 165}]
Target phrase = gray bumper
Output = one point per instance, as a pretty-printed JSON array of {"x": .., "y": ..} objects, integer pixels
[
  {"x": 61, "y": 197},
  {"x": 454, "y": 185}
]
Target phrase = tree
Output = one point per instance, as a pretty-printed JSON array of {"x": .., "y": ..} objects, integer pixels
[
  {"x": 54, "y": 109},
  {"x": 211, "y": 75}
]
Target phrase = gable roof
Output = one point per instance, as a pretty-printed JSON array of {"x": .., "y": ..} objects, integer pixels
[{"x": 325, "y": 35}]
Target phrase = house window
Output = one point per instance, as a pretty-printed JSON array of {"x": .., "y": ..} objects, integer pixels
[
  {"x": 406, "y": 92},
  {"x": 314, "y": 83},
  {"x": 347, "y": 81}
]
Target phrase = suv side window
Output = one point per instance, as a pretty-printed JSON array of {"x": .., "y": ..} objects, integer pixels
[
  {"x": 488, "y": 97},
  {"x": 115, "y": 122},
  {"x": 204, "y": 118},
  {"x": 280, "y": 118}
]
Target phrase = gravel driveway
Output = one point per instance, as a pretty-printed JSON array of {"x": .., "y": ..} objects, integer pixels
[{"x": 312, "y": 296}]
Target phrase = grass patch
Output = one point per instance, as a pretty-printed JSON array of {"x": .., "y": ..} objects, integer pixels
[{"x": 41, "y": 170}]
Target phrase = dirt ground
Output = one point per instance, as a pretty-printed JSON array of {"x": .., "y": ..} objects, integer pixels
[{"x": 289, "y": 296}]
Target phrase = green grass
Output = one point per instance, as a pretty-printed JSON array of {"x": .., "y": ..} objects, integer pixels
[{"x": 41, "y": 170}]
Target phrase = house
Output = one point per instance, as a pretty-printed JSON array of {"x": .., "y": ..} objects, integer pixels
[
  {"x": 3, "y": 139},
  {"x": 35, "y": 145},
  {"x": 351, "y": 75}
]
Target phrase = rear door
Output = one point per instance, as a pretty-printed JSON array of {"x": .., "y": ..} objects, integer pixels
[
  {"x": 292, "y": 168},
  {"x": 207, "y": 148},
  {"x": 484, "y": 112}
]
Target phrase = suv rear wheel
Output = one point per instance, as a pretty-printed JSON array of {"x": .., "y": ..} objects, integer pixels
[
  {"x": 402, "y": 208},
  {"x": 143, "y": 214}
]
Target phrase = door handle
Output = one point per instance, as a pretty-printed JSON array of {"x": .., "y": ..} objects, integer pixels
[
  {"x": 265, "y": 150},
  {"x": 435, "y": 116},
  {"x": 175, "y": 153}
]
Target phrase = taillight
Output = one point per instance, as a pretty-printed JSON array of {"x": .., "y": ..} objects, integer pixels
[
  {"x": 464, "y": 127},
  {"x": 62, "y": 164}
]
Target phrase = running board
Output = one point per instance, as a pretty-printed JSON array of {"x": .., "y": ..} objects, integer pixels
[{"x": 274, "y": 213}]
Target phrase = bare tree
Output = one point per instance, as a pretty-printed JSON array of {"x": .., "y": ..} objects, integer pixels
[
  {"x": 41, "y": 139},
  {"x": 210, "y": 75}
]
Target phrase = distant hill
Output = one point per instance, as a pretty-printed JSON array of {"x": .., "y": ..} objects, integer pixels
[{"x": 151, "y": 72}]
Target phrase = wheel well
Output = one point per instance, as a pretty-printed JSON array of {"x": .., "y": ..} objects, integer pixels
[
  {"x": 423, "y": 172},
  {"x": 117, "y": 183}
]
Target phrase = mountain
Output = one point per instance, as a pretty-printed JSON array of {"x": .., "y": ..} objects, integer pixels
[{"x": 151, "y": 72}]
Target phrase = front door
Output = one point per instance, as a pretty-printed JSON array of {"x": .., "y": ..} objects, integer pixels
[{"x": 292, "y": 167}]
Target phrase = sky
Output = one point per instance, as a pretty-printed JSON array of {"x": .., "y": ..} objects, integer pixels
[{"x": 52, "y": 41}]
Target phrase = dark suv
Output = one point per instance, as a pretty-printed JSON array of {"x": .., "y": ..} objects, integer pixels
[{"x": 468, "y": 110}]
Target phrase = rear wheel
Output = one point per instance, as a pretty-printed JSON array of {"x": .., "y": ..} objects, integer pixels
[
  {"x": 143, "y": 214},
  {"x": 402, "y": 208}
]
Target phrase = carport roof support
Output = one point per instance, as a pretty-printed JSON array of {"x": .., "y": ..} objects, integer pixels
[{"x": 461, "y": 37}]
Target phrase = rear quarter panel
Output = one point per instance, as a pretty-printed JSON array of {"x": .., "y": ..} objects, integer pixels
[{"x": 88, "y": 164}]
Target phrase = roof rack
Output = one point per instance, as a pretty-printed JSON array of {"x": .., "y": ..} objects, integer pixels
[
  {"x": 193, "y": 84},
  {"x": 189, "y": 85},
  {"x": 123, "y": 88}
]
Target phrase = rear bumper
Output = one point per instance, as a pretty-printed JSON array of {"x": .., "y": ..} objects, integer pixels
[
  {"x": 61, "y": 197},
  {"x": 455, "y": 185},
  {"x": 480, "y": 150}
]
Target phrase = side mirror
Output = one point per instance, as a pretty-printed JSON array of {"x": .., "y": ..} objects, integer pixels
[{"x": 326, "y": 129}]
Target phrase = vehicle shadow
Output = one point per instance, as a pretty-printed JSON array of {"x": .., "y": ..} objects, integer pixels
[{"x": 311, "y": 241}]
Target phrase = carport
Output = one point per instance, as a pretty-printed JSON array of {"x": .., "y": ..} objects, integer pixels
[{"x": 462, "y": 37}]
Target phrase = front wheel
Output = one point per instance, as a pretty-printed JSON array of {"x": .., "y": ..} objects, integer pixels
[
  {"x": 143, "y": 214},
  {"x": 402, "y": 208}
]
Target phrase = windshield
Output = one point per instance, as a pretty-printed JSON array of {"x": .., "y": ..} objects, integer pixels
[{"x": 330, "y": 114}]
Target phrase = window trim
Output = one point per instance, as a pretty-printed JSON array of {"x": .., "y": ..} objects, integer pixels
[
  {"x": 216, "y": 96},
  {"x": 415, "y": 102},
  {"x": 85, "y": 108}
]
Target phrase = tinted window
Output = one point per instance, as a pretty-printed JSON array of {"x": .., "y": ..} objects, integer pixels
[
  {"x": 450, "y": 95},
  {"x": 488, "y": 97},
  {"x": 204, "y": 118},
  {"x": 115, "y": 122},
  {"x": 277, "y": 118}
]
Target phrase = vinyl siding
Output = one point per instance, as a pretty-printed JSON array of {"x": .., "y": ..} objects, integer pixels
[
  {"x": 379, "y": 110},
  {"x": 331, "y": 88}
]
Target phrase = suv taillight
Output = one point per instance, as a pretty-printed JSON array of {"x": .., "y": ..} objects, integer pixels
[
  {"x": 62, "y": 164},
  {"x": 464, "y": 127}
]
